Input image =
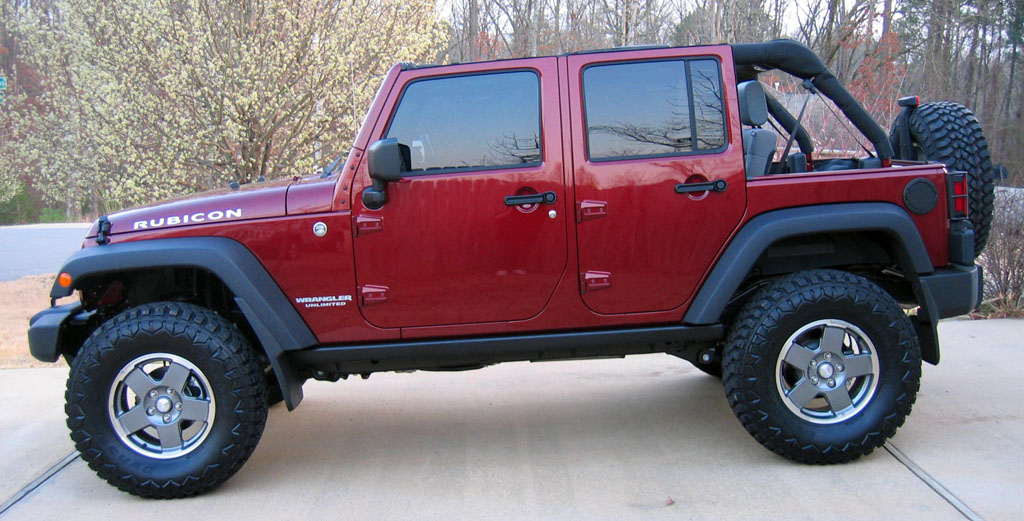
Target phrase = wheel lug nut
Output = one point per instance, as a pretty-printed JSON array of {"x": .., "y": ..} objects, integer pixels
[
  {"x": 839, "y": 367},
  {"x": 814, "y": 363},
  {"x": 828, "y": 356},
  {"x": 152, "y": 394},
  {"x": 814, "y": 379},
  {"x": 167, "y": 417},
  {"x": 151, "y": 411},
  {"x": 831, "y": 382},
  {"x": 177, "y": 406},
  {"x": 170, "y": 392}
]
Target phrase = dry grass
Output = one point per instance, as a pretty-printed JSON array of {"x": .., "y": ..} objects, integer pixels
[
  {"x": 1004, "y": 257},
  {"x": 19, "y": 300}
]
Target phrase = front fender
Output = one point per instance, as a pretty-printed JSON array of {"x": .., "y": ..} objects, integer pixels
[{"x": 277, "y": 325}]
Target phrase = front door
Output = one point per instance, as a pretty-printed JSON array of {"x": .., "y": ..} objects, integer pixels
[
  {"x": 659, "y": 184},
  {"x": 447, "y": 247}
]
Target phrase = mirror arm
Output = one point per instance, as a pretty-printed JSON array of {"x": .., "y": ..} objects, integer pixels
[{"x": 375, "y": 196}]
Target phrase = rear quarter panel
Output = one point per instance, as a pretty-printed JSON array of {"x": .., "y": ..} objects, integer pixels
[{"x": 768, "y": 193}]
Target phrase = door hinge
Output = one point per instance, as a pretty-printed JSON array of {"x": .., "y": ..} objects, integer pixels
[
  {"x": 587, "y": 210},
  {"x": 366, "y": 224},
  {"x": 370, "y": 295},
  {"x": 591, "y": 280}
]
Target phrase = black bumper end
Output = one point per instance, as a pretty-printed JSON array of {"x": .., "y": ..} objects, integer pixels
[
  {"x": 952, "y": 292},
  {"x": 943, "y": 294},
  {"x": 45, "y": 328}
]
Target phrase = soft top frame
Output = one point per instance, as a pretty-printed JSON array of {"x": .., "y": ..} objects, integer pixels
[{"x": 797, "y": 59}]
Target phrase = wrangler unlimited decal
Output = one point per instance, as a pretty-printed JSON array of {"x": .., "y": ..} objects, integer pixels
[
  {"x": 325, "y": 301},
  {"x": 198, "y": 217}
]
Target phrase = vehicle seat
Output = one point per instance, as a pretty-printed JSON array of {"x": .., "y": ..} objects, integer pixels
[{"x": 758, "y": 143}]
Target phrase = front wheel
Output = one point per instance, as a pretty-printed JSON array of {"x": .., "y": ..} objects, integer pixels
[
  {"x": 822, "y": 366},
  {"x": 166, "y": 400}
]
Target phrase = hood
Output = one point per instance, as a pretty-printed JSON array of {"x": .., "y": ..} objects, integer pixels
[{"x": 250, "y": 201}]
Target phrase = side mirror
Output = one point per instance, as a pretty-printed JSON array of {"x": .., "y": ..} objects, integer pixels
[{"x": 387, "y": 160}]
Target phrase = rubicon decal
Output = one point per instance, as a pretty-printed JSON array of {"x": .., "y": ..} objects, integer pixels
[
  {"x": 324, "y": 301},
  {"x": 197, "y": 217}
]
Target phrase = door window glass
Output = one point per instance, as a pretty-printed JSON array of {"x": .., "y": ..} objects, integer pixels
[
  {"x": 479, "y": 121},
  {"x": 656, "y": 108}
]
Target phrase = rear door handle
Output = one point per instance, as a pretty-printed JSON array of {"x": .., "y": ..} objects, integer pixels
[
  {"x": 548, "y": 197},
  {"x": 718, "y": 185}
]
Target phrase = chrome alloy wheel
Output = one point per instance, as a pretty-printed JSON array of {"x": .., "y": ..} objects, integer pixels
[
  {"x": 827, "y": 371},
  {"x": 161, "y": 405}
]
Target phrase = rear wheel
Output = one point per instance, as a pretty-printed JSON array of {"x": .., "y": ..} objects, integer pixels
[
  {"x": 822, "y": 366},
  {"x": 166, "y": 400},
  {"x": 949, "y": 133}
]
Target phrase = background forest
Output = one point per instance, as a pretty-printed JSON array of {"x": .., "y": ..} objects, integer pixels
[{"x": 115, "y": 104}]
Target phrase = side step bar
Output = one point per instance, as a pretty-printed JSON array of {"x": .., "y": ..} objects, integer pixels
[{"x": 683, "y": 341}]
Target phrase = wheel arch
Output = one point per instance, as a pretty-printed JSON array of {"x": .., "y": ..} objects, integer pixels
[
  {"x": 761, "y": 232},
  {"x": 276, "y": 325}
]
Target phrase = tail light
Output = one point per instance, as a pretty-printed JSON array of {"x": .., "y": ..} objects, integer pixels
[{"x": 956, "y": 194}]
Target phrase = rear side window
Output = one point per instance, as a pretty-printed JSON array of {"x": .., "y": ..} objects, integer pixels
[
  {"x": 480, "y": 121},
  {"x": 650, "y": 109}
]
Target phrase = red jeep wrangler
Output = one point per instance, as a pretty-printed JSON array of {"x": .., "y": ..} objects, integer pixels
[{"x": 596, "y": 204}]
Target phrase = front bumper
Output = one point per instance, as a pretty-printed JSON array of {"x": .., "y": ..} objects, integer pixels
[{"x": 45, "y": 328}]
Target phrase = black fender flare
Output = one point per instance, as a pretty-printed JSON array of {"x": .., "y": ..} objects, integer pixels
[
  {"x": 760, "y": 232},
  {"x": 277, "y": 324}
]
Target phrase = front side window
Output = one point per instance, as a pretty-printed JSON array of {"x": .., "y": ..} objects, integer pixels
[
  {"x": 479, "y": 121},
  {"x": 657, "y": 108}
]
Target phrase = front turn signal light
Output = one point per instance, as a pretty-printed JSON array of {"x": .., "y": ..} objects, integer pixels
[{"x": 64, "y": 279}]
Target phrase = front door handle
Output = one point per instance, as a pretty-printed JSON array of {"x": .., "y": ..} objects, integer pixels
[
  {"x": 718, "y": 185},
  {"x": 548, "y": 197}
]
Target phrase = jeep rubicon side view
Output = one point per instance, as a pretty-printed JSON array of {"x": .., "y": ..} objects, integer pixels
[{"x": 596, "y": 204}]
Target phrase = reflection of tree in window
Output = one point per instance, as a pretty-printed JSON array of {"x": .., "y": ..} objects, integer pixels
[
  {"x": 637, "y": 109},
  {"x": 482, "y": 120},
  {"x": 512, "y": 150},
  {"x": 708, "y": 104},
  {"x": 644, "y": 109}
]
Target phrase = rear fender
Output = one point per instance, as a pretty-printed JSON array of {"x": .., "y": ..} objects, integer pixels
[{"x": 762, "y": 231}]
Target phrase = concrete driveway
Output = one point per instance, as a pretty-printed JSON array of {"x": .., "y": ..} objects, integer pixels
[{"x": 648, "y": 437}]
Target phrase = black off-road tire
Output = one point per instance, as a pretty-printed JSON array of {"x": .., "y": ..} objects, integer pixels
[
  {"x": 949, "y": 133},
  {"x": 851, "y": 307},
  {"x": 215, "y": 365}
]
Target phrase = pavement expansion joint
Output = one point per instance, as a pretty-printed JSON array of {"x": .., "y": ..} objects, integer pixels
[
  {"x": 932, "y": 483},
  {"x": 21, "y": 494}
]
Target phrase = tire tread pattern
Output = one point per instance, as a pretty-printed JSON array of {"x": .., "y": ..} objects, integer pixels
[
  {"x": 226, "y": 345},
  {"x": 748, "y": 340}
]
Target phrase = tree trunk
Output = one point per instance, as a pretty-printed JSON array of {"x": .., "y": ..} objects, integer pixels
[{"x": 474, "y": 30}]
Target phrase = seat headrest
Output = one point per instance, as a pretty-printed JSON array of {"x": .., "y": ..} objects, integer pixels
[{"x": 753, "y": 107}]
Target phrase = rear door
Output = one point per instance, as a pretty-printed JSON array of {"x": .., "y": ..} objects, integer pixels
[
  {"x": 646, "y": 125},
  {"x": 446, "y": 247}
]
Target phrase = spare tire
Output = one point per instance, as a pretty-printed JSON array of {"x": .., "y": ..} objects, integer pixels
[{"x": 948, "y": 133}]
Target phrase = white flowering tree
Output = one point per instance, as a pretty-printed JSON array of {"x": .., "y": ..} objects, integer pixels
[{"x": 149, "y": 99}]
